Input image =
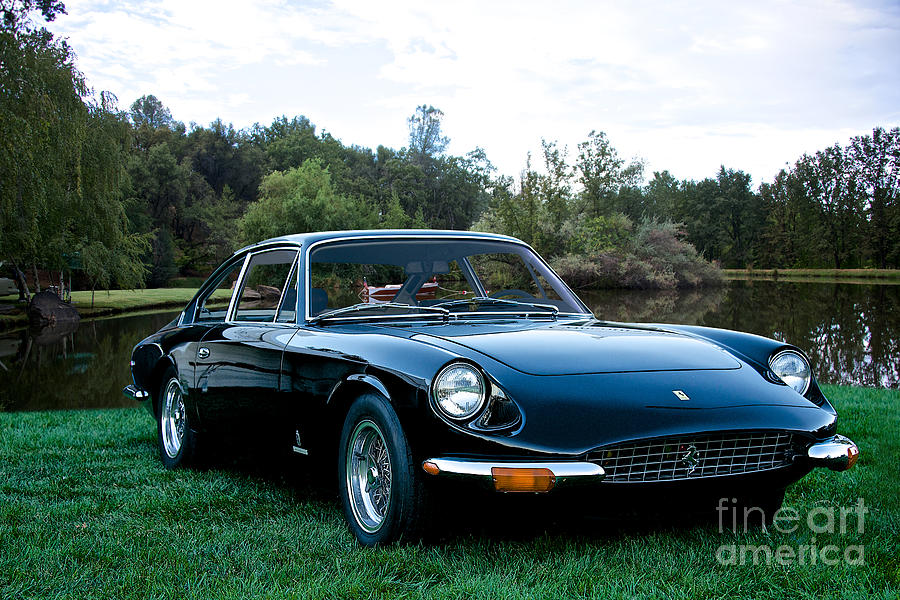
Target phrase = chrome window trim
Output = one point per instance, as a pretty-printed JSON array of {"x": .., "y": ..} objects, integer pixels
[
  {"x": 232, "y": 306},
  {"x": 240, "y": 279},
  {"x": 419, "y": 236},
  {"x": 196, "y": 301},
  {"x": 295, "y": 272}
]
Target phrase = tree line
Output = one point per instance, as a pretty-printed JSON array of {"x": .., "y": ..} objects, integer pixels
[{"x": 134, "y": 197}]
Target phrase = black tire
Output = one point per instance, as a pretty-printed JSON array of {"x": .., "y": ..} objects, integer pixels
[
  {"x": 175, "y": 450},
  {"x": 371, "y": 420}
]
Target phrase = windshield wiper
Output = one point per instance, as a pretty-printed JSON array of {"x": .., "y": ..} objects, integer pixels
[
  {"x": 339, "y": 312},
  {"x": 488, "y": 300}
]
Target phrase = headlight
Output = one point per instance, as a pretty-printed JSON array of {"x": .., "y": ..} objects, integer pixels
[
  {"x": 792, "y": 368},
  {"x": 459, "y": 390}
]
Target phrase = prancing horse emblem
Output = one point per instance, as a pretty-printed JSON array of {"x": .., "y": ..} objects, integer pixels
[
  {"x": 681, "y": 395},
  {"x": 691, "y": 458}
]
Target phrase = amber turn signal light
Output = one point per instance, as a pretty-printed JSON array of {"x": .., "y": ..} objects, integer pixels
[
  {"x": 852, "y": 456},
  {"x": 431, "y": 468},
  {"x": 515, "y": 479}
]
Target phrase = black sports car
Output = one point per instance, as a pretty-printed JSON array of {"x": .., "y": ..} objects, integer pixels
[{"x": 421, "y": 356}]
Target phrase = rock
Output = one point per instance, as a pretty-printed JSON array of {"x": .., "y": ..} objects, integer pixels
[
  {"x": 269, "y": 293},
  {"x": 46, "y": 308}
]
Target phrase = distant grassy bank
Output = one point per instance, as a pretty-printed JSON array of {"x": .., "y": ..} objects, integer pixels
[
  {"x": 86, "y": 510},
  {"x": 112, "y": 302},
  {"x": 846, "y": 275}
]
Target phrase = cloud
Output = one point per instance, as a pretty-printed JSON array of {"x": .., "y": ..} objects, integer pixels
[{"x": 686, "y": 85}]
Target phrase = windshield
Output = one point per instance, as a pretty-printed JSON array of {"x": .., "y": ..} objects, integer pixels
[{"x": 475, "y": 277}]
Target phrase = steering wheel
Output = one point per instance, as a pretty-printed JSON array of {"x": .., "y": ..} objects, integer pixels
[{"x": 512, "y": 292}]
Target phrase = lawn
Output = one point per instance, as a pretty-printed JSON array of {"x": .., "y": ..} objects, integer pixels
[
  {"x": 824, "y": 275},
  {"x": 88, "y": 511},
  {"x": 115, "y": 301}
]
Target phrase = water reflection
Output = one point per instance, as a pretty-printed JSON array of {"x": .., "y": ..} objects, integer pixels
[
  {"x": 74, "y": 365},
  {"x": 851, "y": 332}
]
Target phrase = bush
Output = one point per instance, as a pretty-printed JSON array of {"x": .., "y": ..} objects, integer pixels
[{"x": 655, "y": 257}]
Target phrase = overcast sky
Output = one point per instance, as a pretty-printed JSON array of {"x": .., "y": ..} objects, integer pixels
[{"x": 686, "y": 86}]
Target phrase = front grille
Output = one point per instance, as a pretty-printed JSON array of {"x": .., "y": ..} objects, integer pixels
[{"x": 695, "y": 456}]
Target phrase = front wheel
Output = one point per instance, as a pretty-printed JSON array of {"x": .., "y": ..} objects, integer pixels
[
  {"x": 381, "y": 490},
  {"x": 177, "y": 441}
]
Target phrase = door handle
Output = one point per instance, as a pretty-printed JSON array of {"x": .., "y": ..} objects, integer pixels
[{"x": 203, "y": 352}]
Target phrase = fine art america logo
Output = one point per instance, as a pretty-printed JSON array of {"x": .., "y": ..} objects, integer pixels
[{"x": 843, "y": 522}]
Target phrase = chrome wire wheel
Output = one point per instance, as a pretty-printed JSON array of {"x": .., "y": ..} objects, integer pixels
[
  {"x": 172, "y": 419},
  {"x": 368, "y": 476}
]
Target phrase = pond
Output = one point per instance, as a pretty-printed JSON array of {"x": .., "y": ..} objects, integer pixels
[{"x": 851, "y": 333}]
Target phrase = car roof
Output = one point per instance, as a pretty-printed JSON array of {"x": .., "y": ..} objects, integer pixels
[{"x": 305, "y": 239}]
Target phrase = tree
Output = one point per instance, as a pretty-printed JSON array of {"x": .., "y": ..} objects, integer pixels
[
  {"x": 829, "y": 182},
  {"x": 110, "y": 253},
  {"x": 520, "y": 213},
  {"x": 148, "y": 110},
  {"x": 425, "y": 139},
  {"x": 876, "y": 161},
  {"x": 660, "y": 196},
  {"x": 17, "y": 13},
  {"x": 556, "y": 186},
  {"x": 602, "y": 173},
  {"x": 226, "y": 156},
  {"x": 62, "y": 160},
  {"x": 723, "y": 217},
  {"x": 300, "y": 200}
]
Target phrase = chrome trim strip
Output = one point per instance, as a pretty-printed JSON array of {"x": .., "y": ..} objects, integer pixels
[
  {"x": 287, "y": 282},
  {"x": 838, "y": 453},
  {"x": 424, "y": 316},
  {"x": 132, "y": 392},
  {"x": 238, "y": 287},
  {"x": 420, "y": 236},
  {"x": 232, "y": 305},
  {"x": 482, "y": 468}
]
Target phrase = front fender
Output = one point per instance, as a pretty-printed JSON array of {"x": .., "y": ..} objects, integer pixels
[{"x": 755, "y": 350}]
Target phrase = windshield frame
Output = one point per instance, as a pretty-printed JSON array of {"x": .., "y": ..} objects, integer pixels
[{"x": 307, "y": 270}]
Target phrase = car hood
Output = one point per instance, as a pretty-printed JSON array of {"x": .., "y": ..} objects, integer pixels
[{"x": 561, "y": 349}]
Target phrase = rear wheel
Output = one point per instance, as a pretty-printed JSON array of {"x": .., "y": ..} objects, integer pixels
[
  {"x": 177, "y": 441},
  {"x": 381, "y": 490}
]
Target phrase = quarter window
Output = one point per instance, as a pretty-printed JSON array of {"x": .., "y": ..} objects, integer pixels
[
  {"x": 212, "y": 306},
  {"x": 264, "y": 284}
]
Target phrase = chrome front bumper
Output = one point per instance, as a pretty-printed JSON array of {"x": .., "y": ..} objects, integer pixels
[
  {"x": 498, "y": 472},
  {"x": 838, "y": 453}
]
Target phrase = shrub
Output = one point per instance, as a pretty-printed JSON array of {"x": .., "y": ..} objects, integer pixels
[{"x": 654, "y": 256}]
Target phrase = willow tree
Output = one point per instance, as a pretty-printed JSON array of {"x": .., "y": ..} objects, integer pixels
[{"x": 61, "y": 162}]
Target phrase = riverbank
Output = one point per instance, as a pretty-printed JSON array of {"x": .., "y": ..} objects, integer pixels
[
  {"x": 88, "y": 511},
  {"x": 885, "y": 276},
  {"x": 110, "y": 302}
]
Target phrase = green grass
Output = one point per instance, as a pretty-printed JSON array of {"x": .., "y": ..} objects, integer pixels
[
  {"x": 86, "y": 510},
  {"x": 115, "y": 301},
  {"x": 838, "y": 275}
]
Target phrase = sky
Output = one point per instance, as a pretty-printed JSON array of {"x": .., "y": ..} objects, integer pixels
[{"x": 685, "y": 86}]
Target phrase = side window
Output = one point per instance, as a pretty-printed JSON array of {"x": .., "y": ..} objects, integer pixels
[
  {"x": 214, "y": 304},
  {"x": 263, "y": 286},
  {"x": 505, "y": 275}
]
